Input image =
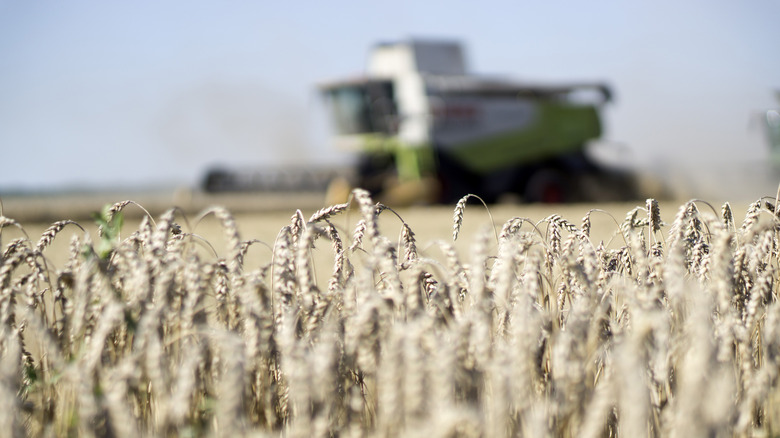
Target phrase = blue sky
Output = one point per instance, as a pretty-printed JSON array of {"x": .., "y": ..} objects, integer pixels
[{"x": 136, "y": 93}]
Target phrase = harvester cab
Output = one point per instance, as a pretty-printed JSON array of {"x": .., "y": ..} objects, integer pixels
[{"x": 426, "y": 129}]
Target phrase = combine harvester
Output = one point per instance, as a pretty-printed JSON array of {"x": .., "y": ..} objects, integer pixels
[{"x": 425, "y": 130}]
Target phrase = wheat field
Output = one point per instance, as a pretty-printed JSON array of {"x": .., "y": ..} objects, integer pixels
[{"x": 347, "y": 323}]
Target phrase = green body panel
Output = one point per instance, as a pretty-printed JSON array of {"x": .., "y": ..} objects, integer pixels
[
  {"x": 411, "y": 162},
  {"x": 415, "y": 163},
  {"x": 557, "y": 130}
]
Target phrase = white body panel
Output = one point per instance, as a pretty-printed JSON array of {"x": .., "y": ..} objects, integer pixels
[{"x": 407, "y": 65}]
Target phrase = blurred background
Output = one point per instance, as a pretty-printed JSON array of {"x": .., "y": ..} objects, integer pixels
[{"x": 97, "y": 95}]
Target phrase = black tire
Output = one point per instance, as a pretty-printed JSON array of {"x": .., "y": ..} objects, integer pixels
[
  {"x": 374, "y": 170},
  {"x": 455, "y": 181},
  {"x": 547, "y": 186}
]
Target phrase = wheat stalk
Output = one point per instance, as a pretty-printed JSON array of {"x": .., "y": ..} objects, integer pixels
[{"x": 549, "y": 332}]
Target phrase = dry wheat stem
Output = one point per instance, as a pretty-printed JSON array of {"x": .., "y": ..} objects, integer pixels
[{"x": 672, "y": 332}]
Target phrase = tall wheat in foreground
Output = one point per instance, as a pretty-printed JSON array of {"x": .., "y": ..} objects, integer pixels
[{"x": 539, "y": 331}]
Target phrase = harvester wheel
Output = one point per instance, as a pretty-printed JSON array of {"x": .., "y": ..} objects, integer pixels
[
  {"x": 547, "y": 186},
  {"x": 455, "y": 181},
  {"x": 374, "y": 171}
]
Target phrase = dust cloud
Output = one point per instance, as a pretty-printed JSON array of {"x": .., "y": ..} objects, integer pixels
[{"x": 233, "y": 124}]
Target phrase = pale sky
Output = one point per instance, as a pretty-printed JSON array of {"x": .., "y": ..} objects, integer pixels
[{"x": 96, "y": 93}]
